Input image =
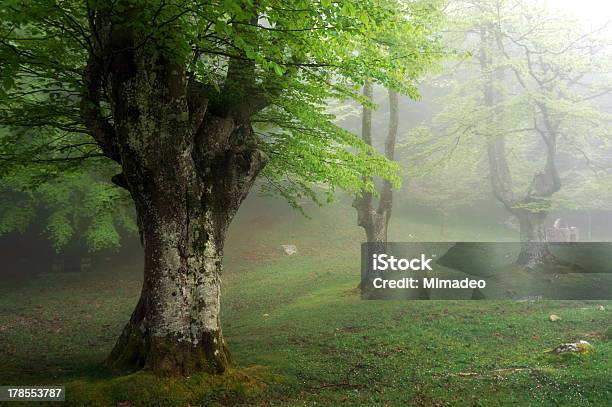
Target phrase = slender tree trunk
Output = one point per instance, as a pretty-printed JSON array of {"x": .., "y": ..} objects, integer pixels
[{"x": 375, "y": 219}]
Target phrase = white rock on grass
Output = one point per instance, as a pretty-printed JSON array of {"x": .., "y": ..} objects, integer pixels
[
  {"x": 574, "y": 347},
  {"x": 290, "y": 249}
]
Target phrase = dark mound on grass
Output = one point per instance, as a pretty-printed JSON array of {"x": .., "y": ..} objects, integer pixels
[{"x": 236, "y": 386}]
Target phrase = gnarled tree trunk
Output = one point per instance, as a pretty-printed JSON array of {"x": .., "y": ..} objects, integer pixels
[
  {"x": 188, "y": 166},
  {"x": 175, "y": 328},
  {"x": 186, "y": 195},
  {"x": 532, "y": 208}
]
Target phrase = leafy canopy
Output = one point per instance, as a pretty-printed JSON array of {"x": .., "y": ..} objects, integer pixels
[{"x": 303, "y": 54}]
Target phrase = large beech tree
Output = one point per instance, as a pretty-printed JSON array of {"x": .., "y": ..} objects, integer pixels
[{"x": 190, "y": 101}]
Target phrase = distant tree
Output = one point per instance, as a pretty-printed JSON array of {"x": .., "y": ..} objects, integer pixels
[
  {"x": 553, "y": 73},
  {"x": 374, "y": 208},
  {"x": 372, "y": 217},
  {"x": 537, "y": 80},
  {"x": 72, "y": 200},
  {"x": 190, "y": 101}
]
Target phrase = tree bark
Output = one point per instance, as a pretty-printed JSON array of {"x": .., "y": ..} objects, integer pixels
[
  {"x": 175, "y": 329},
  {"x": 534, "y": 242},
  {"x": 183, "y": 214}
]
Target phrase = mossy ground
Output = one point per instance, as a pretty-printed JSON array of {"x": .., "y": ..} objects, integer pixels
[{"x": 301, "y": 318}]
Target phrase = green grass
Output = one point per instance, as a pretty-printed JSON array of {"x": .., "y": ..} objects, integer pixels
[{"x": 301, "y": 318}]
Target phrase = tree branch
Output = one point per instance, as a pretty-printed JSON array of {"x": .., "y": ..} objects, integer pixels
[{"x": 98, "y": 126}]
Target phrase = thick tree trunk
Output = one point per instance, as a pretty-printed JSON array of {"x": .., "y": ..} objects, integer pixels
[
  {"x": 534, "y": 243},
  {"x": 175, "y": 328},
  {"x": 375, "y": 229},
  {"x": 188, "y": 170}
]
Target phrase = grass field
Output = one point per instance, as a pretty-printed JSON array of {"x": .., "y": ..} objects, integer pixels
[{"x": 301, "y": 334}]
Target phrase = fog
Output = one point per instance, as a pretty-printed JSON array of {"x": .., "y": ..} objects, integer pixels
[
  {"x": 594, "y": 13},
  {"x": 238, "y": 202},
  {"x": 443, "y": 137}
]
